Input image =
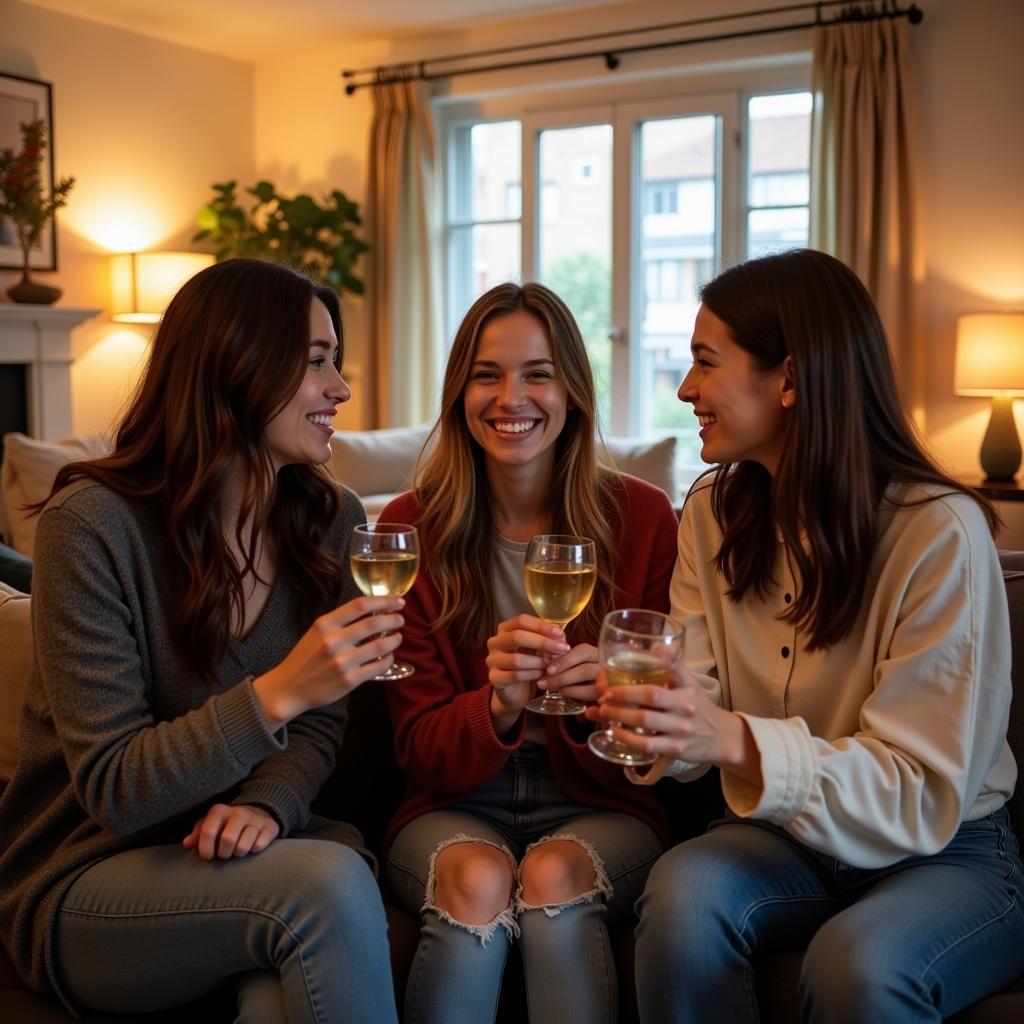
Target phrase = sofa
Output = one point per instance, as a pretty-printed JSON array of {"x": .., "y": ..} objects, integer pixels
[{"x": 367, "y": 755}]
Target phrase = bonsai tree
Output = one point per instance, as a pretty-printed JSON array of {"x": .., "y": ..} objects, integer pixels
[{"x": 298, "y": 231}]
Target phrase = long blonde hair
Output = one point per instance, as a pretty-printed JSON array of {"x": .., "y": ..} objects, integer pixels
[{"x": 451, "y": 483}]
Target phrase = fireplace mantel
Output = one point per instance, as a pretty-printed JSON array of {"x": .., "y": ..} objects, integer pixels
[{"x": 39, "y": 337}]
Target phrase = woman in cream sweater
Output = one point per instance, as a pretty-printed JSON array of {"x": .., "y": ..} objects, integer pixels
[{"x": 847, "y": 668}]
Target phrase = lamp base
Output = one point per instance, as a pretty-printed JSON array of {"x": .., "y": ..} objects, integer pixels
[{"x": 1000, "y": 449}]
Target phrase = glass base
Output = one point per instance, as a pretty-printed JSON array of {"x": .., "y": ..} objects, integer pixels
[
  {"x": 556, "y": 704},
  {"x": 398, "y": 670},
  {"x": 605, "y": 745}
]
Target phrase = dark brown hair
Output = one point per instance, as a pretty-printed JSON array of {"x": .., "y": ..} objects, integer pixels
[
  {"x": 230, "y": 352},
  {"x": 451, "y": 483},
  {"x": 848, "y": 438}
]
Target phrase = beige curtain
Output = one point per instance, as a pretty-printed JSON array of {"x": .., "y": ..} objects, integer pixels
[
  {"x": 404, "y": 341},
  {"x": 864, "y": 178}
]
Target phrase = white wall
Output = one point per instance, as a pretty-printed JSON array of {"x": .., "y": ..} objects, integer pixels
[{"x": 145, "y": 127}]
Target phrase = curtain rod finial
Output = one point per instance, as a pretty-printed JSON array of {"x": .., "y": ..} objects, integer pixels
[
  {"x": 611, "y": 61},
  {"x": 916, "y": 15}
]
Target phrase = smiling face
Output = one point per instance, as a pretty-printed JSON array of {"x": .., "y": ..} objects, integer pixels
[
  {"x": 301, "y": 431},
  {"x": 514, "y": 402},
  {"x": 742, "y": 410}
]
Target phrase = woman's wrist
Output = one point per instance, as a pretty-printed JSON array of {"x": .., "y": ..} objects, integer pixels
[
  {"x": 740, "y": 754},
  {"x": 276, "y": 702},
  {"x": 503, "y": 718}
]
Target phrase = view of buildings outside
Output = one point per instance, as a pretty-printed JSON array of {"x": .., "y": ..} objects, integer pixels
[{"x": 676, "y": 225}]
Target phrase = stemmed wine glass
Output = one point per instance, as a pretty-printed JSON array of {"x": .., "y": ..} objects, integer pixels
[
  {"x": 560, "y": 573},
  {"x": 385, "y": 558},
  {"x": 636, "y": 647}
]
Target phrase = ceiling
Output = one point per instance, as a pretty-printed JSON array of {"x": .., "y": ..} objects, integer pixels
[{"x": 252, "y": 30}]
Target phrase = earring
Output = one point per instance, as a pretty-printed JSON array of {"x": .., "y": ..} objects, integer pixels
[{"x": 786, "y": 403}]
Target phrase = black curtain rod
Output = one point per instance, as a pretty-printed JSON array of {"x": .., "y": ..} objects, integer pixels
[{"x": 385, "y": 74}]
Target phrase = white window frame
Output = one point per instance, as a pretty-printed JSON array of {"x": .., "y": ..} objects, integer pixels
[{"x": 622, "y": 104}]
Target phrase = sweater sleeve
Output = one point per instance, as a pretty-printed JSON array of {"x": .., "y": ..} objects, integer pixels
[
  {"x": 931, "y": 730},
  {"x": 287, "y": 782},
  {"x": 129, "y": 771},
  {"x": 441, "y": 714}
]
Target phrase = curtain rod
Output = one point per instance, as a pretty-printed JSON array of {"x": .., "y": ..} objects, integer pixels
[{"x": 423, "y": 70}]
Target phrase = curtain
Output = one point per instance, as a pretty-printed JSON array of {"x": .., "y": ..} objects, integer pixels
[
  {"x": 404, "y": 340},
  {"x": 865, "y": 179}
]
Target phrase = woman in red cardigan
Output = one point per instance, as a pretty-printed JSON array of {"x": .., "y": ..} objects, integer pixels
[{"x": 510, "y": 827}]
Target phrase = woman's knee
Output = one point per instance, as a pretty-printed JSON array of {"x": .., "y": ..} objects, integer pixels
[
  {"x": 472, "y": 881},
  {"x": 557, "y": 871}
]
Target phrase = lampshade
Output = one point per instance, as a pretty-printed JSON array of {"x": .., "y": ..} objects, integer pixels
[
  {"x": 990, "y": 354},
  {"x": 142, "y": 283}
]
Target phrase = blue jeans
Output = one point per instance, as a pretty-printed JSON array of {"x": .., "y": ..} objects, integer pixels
[
  {"x": 567, "y": 960},
  {"x": 916, "y": 941},
  {"x": 301, "y": 925}
]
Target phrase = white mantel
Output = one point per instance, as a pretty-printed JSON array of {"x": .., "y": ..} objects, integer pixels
[{"x": 39, "y": 337}]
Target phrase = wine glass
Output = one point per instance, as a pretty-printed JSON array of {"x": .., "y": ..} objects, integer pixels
[
  {"x": 636, "y": 647},
  {"x": 560, "y": 573},
  {"x": 385, "y": 558}
]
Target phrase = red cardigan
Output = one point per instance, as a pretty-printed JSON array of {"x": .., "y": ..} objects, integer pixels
[{"x": 444, "y": 736}]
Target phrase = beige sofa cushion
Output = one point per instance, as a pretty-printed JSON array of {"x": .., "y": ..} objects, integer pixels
[
  {"x": 377, "y": 463},
  {"x": 653, "y": 460},
  {"x": 16, "y": 644},
  {"x": 27, "y": 473}
]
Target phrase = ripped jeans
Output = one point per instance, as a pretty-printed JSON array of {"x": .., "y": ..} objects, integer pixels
[{"x": 567, "y": 959}]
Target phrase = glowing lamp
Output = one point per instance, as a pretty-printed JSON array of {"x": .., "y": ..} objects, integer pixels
[
  {"x": 990, "y": 362},
  {"x": 142, "y": 283}
]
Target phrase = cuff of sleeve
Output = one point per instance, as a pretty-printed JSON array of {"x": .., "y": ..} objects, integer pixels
[
  {"x": 787, "y": 771},
  {"x": 277, "y": 799},
  {"x": 243, "y": 726},
  {"x": 482, "y": 725}
]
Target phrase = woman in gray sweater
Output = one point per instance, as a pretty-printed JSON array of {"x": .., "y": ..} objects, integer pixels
[{"x": 196, "y": 635}]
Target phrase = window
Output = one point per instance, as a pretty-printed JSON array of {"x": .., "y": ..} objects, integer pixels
[{"x": 626, "y": 209}]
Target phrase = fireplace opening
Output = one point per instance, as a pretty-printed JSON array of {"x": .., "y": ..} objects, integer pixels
[{"x": 13, "y": 400}]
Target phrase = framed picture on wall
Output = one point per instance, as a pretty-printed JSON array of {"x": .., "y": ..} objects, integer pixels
[{"x": 21, "y": 100}]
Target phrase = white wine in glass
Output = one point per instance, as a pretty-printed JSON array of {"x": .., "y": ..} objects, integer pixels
[
  {"x": 385, "y": 558},
  {"x": 559, "y": 574},
  {"x": 637, "y": 647}
]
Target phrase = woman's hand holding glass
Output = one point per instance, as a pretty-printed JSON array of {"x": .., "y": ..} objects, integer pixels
[
  {"x": 341, "y": 650},
  {"x": 677, "y": 720},
  {"x": 527, "y": 651}
]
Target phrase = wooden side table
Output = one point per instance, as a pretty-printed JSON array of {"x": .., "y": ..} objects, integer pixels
[{"x": 1009, "y": 500}]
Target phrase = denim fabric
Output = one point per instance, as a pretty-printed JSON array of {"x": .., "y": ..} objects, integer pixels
[
  {"x": 916, "y": 941},
  {"x": 456, "y": 973},
  {"x": 302, "y": 924}
]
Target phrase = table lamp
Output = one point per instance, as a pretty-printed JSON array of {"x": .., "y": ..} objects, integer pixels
[
  {"x": 990, "y": 362},
  {"x": 142, "y": 283}
]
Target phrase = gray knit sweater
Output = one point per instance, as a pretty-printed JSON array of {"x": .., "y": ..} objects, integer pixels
[{"x": 123, "y": 745}]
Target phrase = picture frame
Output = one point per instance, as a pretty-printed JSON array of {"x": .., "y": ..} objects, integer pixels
[{"x": 27, "y": 99}]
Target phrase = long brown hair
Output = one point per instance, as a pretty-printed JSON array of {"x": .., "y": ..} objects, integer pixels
[
  {"x": 230, "y": 352},
  {"x": 451, "y": 482},
  {"x": 848, "y": 437}
]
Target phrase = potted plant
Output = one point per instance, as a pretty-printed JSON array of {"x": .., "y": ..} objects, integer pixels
[
  {"x": 24, "y": 202},
  {"x": 298, "y": 231}
]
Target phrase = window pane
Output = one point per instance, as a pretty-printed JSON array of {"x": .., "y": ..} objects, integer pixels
[
  {"x": 678, "y": 247},
  {"x": 479, "y": 257},
  {"x": 486, "y": 162},
  {"x": 774, "y": 230},
  {"x": 575, "y": 236},
  {"x": 778, "y": 175}
]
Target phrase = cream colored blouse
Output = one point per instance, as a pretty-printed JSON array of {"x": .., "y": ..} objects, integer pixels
[{"x": 880, "y": 746}]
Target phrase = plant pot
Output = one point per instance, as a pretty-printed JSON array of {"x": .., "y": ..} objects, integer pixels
[{"x": 27, "y": 290}]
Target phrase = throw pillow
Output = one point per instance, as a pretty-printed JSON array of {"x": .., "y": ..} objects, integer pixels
[
  {"x": 377, "y": 462},
  {"x": 651, "y": 460},
  {"x": 27, "y": 473},
  {"x": 16, "y": 643}
]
